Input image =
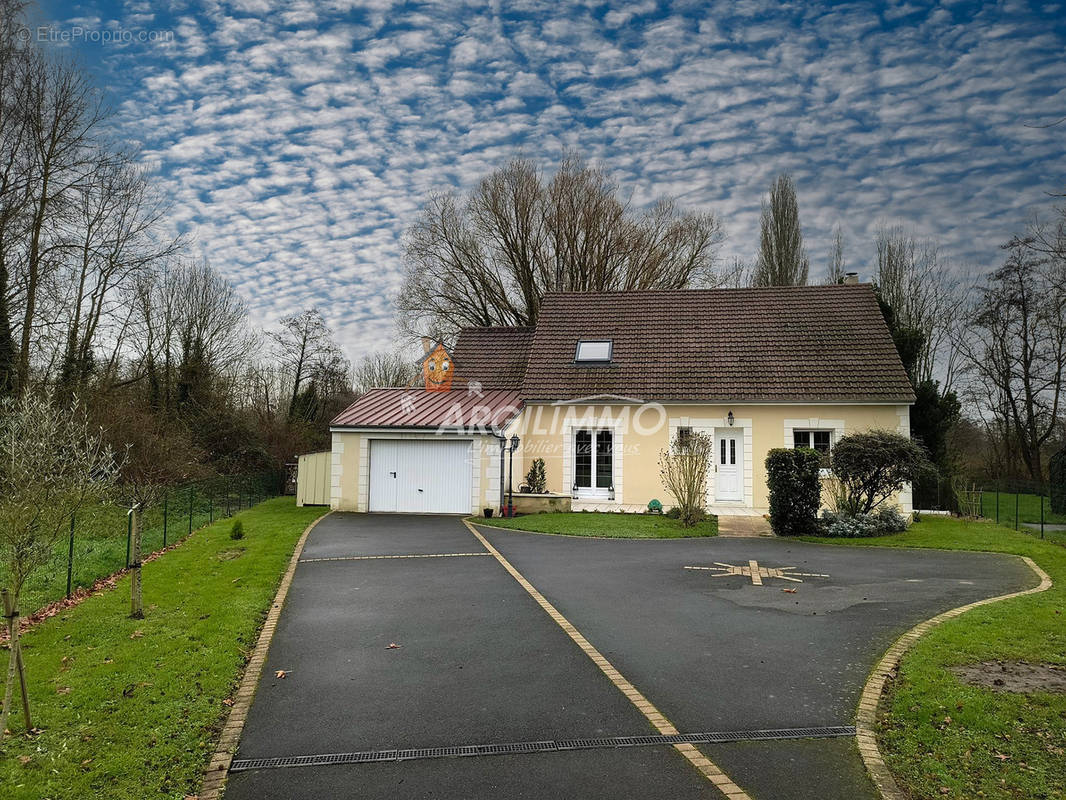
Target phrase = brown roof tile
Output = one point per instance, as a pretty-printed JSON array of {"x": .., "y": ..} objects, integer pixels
[
  {"x": 495, "y": 357},
  {"x": 787, "y": 344}
]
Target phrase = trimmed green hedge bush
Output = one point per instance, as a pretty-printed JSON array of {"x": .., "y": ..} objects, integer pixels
[{"x": 792, "y": 476}]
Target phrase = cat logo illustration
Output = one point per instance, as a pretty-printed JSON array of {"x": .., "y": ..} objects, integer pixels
[{"x": 438, "y": 369}]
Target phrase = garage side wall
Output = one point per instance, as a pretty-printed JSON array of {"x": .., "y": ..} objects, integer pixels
[
  {"x": 348, "y": 458},
  {"x": 350, "y": 468}
]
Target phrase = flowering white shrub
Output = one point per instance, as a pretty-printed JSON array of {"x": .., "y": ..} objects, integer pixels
[{"x": 888, "y": 519}]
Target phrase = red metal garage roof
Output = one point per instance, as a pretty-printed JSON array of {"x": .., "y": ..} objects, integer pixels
[{"x": 417, "y": 408}]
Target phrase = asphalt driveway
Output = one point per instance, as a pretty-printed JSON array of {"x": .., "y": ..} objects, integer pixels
[{"x": 478, "y": 662}]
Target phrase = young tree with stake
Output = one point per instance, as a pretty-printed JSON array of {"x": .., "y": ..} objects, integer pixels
[{"x": 51, "y": 464}]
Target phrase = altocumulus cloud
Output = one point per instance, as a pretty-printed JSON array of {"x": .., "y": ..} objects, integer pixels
[{"x": 298, "y": 139}]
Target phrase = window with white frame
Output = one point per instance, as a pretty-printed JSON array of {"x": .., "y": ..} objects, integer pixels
[
  {"x": 594, "y": 463},
  {"x": 819, "y": 440}
]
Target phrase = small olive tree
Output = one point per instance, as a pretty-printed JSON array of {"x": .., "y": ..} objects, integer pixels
[
  {"x": 873, "y": 466},
  {"x": 684, "y": 469},
  {"x": 51, "y": 464}
]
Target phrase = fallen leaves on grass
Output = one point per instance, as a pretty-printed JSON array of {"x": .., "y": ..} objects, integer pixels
[
  {"x": 25, "y": 760},
  {"x": 137, "y": 634},
  {"x": 81, "y": 593}
]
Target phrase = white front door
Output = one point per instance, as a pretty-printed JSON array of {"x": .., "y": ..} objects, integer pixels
[
  {"x": 728, "y": 464},
  {"x": 429, "y": 476}
]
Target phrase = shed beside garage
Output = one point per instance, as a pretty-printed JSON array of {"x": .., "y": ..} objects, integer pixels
[{"x": 313, "y": 479}]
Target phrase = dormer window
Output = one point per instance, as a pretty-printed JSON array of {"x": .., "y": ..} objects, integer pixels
[{"x": 593, "y": 351}]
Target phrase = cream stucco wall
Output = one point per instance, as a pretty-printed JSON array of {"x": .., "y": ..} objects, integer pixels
[
  {"x": 350, "y": 476},
  {"x": 642, "y": 432}
]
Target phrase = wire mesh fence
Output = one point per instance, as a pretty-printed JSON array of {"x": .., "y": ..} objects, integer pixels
[
  {"x": 97, "y": 544},
  {"x": 1025, "y": 506}
]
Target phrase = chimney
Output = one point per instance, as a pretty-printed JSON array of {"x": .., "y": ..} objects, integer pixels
[
  {"x": 851, "y": 278},
  {"x": 427, "y": 344}
]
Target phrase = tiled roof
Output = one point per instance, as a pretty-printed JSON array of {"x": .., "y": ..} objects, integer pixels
[
  {"x": 781, "y": 344},
  {"x": 495, "y": 357},
  {"x": 417, "y": 408}
]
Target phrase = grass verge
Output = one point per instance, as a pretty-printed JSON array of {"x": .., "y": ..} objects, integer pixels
[
  {"x": 595, "y": 523},
  {"x": 131, "y": 708},
  {"x": 944, "y": 738},
  {"x": 100, "y": 536},
  {"x": 1024, "y": 507}
]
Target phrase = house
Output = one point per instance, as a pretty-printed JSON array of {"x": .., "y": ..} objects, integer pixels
[{"x": 605, "y": 381}]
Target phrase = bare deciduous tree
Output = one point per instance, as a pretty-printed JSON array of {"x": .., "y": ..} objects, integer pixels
[
  {"x": 305, "y": 348},
  {"x": 782, "y": 260},
  {"x": 914, "y": 281},
  {"x": 684, "y": 469},
  {"x": 156, "y": 457},
  {"x": 488, "y": 258},
  {"x": 1016, "y": 349},
  {"x": 837, "y": 263},
  {"x": 112, "y": 243},
  {"x": 384, "y": 368},
  {"x": 51, "y": 464},
  {"x": 64, "y": 113}
]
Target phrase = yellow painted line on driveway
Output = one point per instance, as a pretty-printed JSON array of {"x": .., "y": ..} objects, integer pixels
[
  {"x": 374, "y": 558},
  {"x": 706, "y": 767}
]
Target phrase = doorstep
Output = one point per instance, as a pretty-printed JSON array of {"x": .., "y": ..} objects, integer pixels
[{"x": 743, "y": 526}]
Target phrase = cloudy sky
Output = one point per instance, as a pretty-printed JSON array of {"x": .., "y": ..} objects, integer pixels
[{"x": 298, "y": 139}]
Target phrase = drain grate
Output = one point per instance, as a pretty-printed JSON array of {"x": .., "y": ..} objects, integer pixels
[{"x": 461, "y": 751}]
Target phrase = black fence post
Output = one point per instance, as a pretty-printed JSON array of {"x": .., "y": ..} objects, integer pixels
[
  {"x": 129, "y": 535},
  {"x": 210, "y": 507},
  {"x": 70, "y": 555},
  {"x": 1041, "y": 512},
  {"x": 190, "y": 510},
  {"x": 1017, "y": 495},
  {"x": 164, "y": 519},
  {"x": 997, "y": 503}
]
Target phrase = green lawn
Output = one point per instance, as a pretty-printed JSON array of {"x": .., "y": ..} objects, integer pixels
[
  {"x": 1028, "y": 508},
  {"x": 100, "y": 538},
  {"x": 943, "y": 738},
  {"x": 131, "y": 708},
  {"x": 615, "y": 526}
]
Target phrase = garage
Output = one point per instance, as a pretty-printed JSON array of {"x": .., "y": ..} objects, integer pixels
[{"x": 427, "y": 476}]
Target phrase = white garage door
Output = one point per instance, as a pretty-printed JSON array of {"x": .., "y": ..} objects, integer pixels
[{"x": 415, "y": 475}]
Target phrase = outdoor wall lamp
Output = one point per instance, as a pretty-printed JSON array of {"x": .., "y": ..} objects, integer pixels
[{"x": 729, "y": 419}]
